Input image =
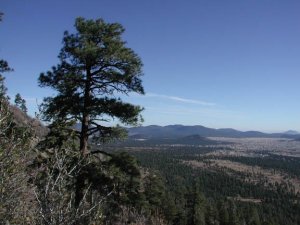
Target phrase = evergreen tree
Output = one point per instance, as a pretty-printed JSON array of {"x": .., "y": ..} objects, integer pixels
[
  {"x": 95, "y": 66},
  {"x": 233, "y": 213},
  {"x": 254, "y": 217},
  {"x": 196, "y": 206},
  {"x": 169, "y": 207},
  {"x": 154, "y": 191},
  {"x": 224, "y": 214},
  {"x": 20, "y": 102},
  {"x": 18, "y": 99},
  {"x": 4, "y": 67},
  {"x": 199, "y": 207}
]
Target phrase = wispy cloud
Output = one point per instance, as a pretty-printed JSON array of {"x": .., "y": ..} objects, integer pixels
[
  {"x": 207, "y": 112},
  {"x": 179, "y": 99}
]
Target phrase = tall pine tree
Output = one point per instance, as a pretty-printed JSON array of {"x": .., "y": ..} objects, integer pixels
[{"x": 95, "y": 66}]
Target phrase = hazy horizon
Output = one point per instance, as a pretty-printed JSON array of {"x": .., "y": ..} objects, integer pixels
[{"x": 263, "y": 131}]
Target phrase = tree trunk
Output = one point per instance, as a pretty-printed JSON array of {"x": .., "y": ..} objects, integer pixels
[
  {"x": 79, "y": 190},
  {"x": 84, "y": 136}
]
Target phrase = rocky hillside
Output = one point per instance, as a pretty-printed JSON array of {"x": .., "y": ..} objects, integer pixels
[{"x": 24, "y": 119}]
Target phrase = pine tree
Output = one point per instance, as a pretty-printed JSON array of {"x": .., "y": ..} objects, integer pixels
[
  {"x": 254, "y": 217},
  {"x": 20, "y": 102},
  {"x": 233, "y": 213},
  {"x": 18, "y": 99},
  {"x": 196, "y": 205},
  {"x": 95, "y": 66},
  {"x": 4, "y": 67},
  {"x": 224, "y": 214}
]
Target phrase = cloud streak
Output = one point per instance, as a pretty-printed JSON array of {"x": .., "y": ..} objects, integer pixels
[
  {"x": 209, "y": 112},
  {"x": 179, "y": 99}
]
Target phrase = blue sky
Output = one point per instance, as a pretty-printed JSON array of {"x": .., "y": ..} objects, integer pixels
[{"x": 210, "y": 62}]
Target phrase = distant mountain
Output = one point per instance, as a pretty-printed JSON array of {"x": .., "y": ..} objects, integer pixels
[
  {"x": 291, "y": 132},
  {"x": 195, "y": 140},
  {"x": 180, "y": 131}
]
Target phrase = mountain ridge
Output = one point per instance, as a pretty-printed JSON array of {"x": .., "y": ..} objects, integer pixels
[{"x": 178, "y": 131}]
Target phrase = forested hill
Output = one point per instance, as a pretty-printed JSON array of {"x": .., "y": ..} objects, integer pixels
[
  {"x": 141, "y": 141},
  {"x": 175, "y": 131},
  {"x": 21, "y": 118}
]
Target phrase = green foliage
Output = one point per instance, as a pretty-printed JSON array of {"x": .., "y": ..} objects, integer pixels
[
  {"x": 111, "y": 185},
  {"x": 18, "y": 99},
  {"x": 95, "y": 65},
  {"x": 224, "y": 214},
  {"x": 65, "y": 186},
  {"x": 254, "y": 217},
  {"x": 108, "y": 135},
  {"x": 3, "y": 68},
  {"x": 20, "y": 103},
  {"x": 196, "y": 205},
  {"x": 154, "y": 191},
  {"x": 126, "y": 176},
  {"x": 280, "y": 204},
  {"x": 199, "y": 206},
  {"x": 54, "y": 176},
  {"x": 287, "y": 164},
  {"x": 15, "y": 145},
  {"x": 60, "y": 136},
  {"x": 56, "y": 183}
]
